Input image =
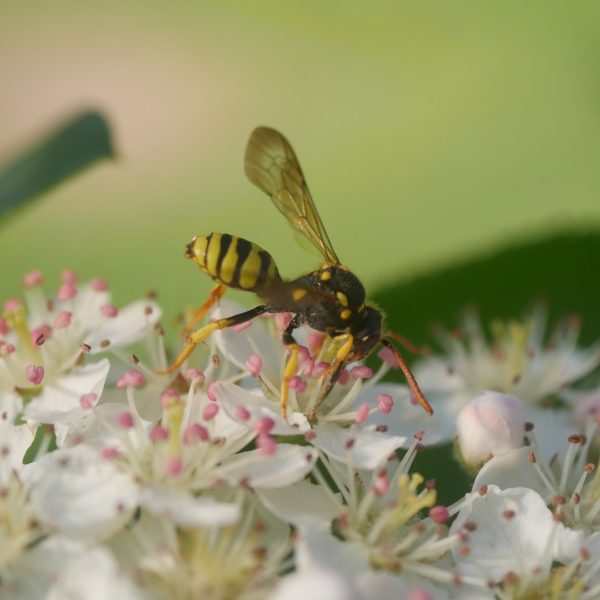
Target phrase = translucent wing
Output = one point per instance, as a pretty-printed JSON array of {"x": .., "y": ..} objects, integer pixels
[{"x": 271, "y": 164}]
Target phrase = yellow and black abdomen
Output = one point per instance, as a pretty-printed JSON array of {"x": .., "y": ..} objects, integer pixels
[{"x": 233, "y": 261}]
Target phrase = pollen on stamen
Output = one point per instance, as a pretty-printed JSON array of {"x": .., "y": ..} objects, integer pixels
[
  {"x": 211, "y": 391},
  {"x": 13, "y": 305},
  {"x": 63, "y": 319},
  {"x": 320, "y": 369},
  {"x": 387, "y": 356},
  {"x": 263, "y": 425},
  {"x": 169, "y": 397},
  {"x": 87, "y": 400},
  {"x": 35, "y": 374},
  {"x": 125, "y": 420},
  {"x": 195, "y": 375},
  {"x": 254, "y": 365},
  {"x": 210, "y": 411},
  {"x": 385, "y": 403},
  {"x": 297, "y": 383},
  {"x": 242, "y": 326},
  {"x": 99, "y": 285},
  {"x": 158, "y": 433},
  {"x": 33, "y": 278},
  {"x": 360, "y": 372},
  {"x": 242, "y": 413},
  {"x": 109, "y": 310},
  {"x": 194, "y": 433},
  {"x": 131, "y": 378},
  {"x": 174, "y": 466},
  {"x": 67, "y": 291},
  {"x": 362, "y": 413},
  {"x": 266, "y": 444},
  {"x": 439, "y": 514}
]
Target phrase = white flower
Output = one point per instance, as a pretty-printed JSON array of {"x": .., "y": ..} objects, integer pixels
[
  {"x": 214, "y": 559},
  {"x": 566, "y": 481},
  {"x": 514, "y": 544},
  {"x": 520, "y": 360},
  {"x": 491, "y": 424},
  {"x": 43, "y": 342}
]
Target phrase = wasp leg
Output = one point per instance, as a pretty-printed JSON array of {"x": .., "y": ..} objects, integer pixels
[
  {"x": 197, "y": 337},
  {"x": 291, "y": 363},
  {"x": 337, "y": 366},
  {"x": 412, "y": 382},
  {"x": 214, "y": 296}
]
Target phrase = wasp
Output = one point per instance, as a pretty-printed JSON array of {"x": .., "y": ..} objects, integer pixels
[{"x": 330, "y": 300}]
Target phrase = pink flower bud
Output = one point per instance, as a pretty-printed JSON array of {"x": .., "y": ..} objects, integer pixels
[
  {"x": 266, "y": 444},
  {"x": 491, "y": 424},
  {"x": 33, "y": 278},
  {"x": 158, "y": 433},
  {"x": 125, "y": 420},
  {"x": 194, "y": 433},
  {"x": 109, "y": 310},
  {"x": 174, "y": 466},
  {"x": 211, "y": 391},
  {"x": 69, "y": 276},
  {"x": 131, "y": 379},
  {"x": 192, "y": 374},
  {"x": 297, "y": 383},
  {"x": 263, "y": 425},
  {"x": 63, "y": 319},
  {"x": 387, "y": 356},
  {"x": 242, "y": 413},
  {"x": 99, "y": 285},
  {"x": 439, "y": 514},
  {"x": 360, "y": 372},
  {"x": 67, "y": 291},
  {"x": 87, "y": 400},
  {"x": 210, "y": 411}
]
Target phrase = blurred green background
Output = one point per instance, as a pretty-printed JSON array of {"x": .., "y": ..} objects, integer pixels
[{"x": 429, "y": 131}]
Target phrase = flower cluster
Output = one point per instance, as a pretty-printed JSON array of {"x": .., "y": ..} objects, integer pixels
[{"x": 116, "y": 481}]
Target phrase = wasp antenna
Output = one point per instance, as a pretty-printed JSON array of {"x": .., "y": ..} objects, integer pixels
[
  {"x": 406, "y": 343},
  {"x": 412, "y": 382}
]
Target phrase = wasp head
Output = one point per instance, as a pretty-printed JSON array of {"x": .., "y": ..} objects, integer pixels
[{"x": 366, "y": 332}]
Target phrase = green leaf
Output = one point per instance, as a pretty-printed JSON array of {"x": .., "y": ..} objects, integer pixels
[
  {"x": 75, "y": 145},
  {"x": 563, "y": 270}
]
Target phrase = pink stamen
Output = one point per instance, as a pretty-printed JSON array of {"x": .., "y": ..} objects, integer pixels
[
  {"x": 243, "y": 414},
  {"x": 282, "y": 320},
  {"x": 263, "y": 425},
  {"x": 63, "y": 319},
  {"x": 298, "y": 384},
  {"x": 266, "y": 444},
  {"x": 87, "y": 400},
  {"x": 254, "y": 365},
  {"x": 125, "y": 420},
  {"x": 360, "y": 372},
  {"x": 385, "y": 403},
  {"x": 314, "y": 341},
  {"x": 304, "y": 354},
  {"x": 6, "y": 348},
  {"x": 210, "y": 411},
  {"x": 69, "y": 276},
  {"x": 109, "y": 453},
  {"x": 3, "y": 326},
  {"x": 174, "y": 466},
  {"x": 195, "y": 374},
  {"x": 41, "y": 334},
  {"x": 381, "y": 484},
  {"x": 419, "y": 594},
  {"x": 344, "y": 377},
  {"x": 242, "y": 326},
  {"x": 158, "y": 433},
  {"x": 439, "y": 514},
  {"x": 320, "y": 369},
  {"x": 387, "y": 356},
  {"x": 99, "y": 285},
  {"x": 195, "y": 433},
  {"x": 35, "y": 374},
  {"x": 33, "y": 278},
  {"x": 67, "y": 291},
  {"x": 169, "y": 397},
  {"x": 307, "y": 367},
  {"x": 211, "y": 391},
  {"x": 131, "y": 379},
  {"x": 13, "y": 305},
  {"x": 362, "y": 413},
  {"x": 109, "y": 310}
]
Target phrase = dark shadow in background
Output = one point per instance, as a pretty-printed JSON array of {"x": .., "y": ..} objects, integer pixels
[{"x": 562, "y": 269}]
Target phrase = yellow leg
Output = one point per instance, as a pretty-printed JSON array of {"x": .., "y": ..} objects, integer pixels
[
  {"x": 291, "y": 367},
  {"x": 341, "y": 355},
  {"x": 214, "y": 296},
  {"x": 197, "y": 337}
]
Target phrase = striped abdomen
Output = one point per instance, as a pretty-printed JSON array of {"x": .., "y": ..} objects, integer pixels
[{"x": 233, "y": 261}]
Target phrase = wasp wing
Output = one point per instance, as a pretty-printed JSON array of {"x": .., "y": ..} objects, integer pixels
[{"x": 271, "y": 164}]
